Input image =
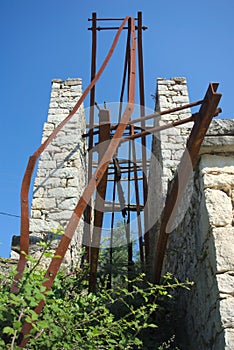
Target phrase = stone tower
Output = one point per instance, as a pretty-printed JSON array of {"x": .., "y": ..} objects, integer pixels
[{"x": 61, "y": 173}]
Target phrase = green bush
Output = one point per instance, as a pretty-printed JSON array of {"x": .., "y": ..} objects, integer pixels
[{"x": 73, "y": 318}]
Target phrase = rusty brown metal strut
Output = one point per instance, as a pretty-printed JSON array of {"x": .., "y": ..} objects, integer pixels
[
  {"x": 93, "y": 183},
  {"x": 24, "y": 238}
]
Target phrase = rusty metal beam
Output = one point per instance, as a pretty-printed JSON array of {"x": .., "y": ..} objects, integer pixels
[
  {"x": 104, "y": 136},
  {"x": 109, "y": 19},
  {"x": 154, "y": 115},
  {"x": 24, "y": 237},
  {"x": 160, "y": 128},
  {"x": 116, "y": 28},
  {"x": 207, "y": 111},
  {"x": 168, "y": 111},
  {"x": 138, "y": 207},
  {"x": 167, "y": 126},
  {"x": 88, "y": 211},
  {"x": 96, "y": 178},
  {"x": 143, "y": 137},
  {"x": 119, "y": 207},
  {"x": 126, "y": 66}
]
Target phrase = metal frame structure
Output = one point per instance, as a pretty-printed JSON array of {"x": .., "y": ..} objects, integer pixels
[{"x": 109, "y": 168}]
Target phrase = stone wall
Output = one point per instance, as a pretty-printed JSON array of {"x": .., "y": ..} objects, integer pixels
[
  {"x": 201, "y": 247},
  {"x": 167, "y": 148},
  {"x": 62, "y": 170}
]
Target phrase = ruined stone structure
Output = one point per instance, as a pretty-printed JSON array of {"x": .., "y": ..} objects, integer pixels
[
  {"x": 61, "y": 175},
  {"x": 201, "y": 244}
]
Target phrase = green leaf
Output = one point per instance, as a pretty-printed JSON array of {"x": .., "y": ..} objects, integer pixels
[
  {"x": 8, "y": 330},
  {"x": 17, "y": 325}
]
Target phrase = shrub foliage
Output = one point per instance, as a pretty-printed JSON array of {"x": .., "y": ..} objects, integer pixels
[{"x": 73, "y": 318}]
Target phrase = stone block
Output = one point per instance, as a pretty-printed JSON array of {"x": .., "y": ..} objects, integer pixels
[
  {"x": 180, "y": 99},
  {"x": 61, "y": 193},
  {"x": 38, "y": 191},
  {"x": 218, "y": 181},
  {"x": 229, "y": 338},
  {"x": 47, "y": 164},
  {"x": 227, "y": 312},
  {"x": 224, "y": 248},
  {"x": 62, "y": 215},
  {"x": 219, "y": 207},
  {"x": 216, "y": 164},
  {"x": 56, "y": 85},
  {"x": 41, "y": 226},
  {"x": 218, "y": 144},
  {"x": 69, "y": 204},
  {"x": 43, "y": 203},
  {"x": 166, "y": 154},
  {"x": 73, "y": 82},
  {"x": 48, "y": 126},
  {"x": 45, "y": 156},
  {"x": 72, "y": 183},
  {"x": 226, "y": 283},
  {"x": 221, "y": 127},
  {"x": 36, "y": 214},
  {"x": 53, "y": 104},
  {"x": 50, "y": 182},
  {"x": 65, "y": 173},
  {"x": 63, "y": 111}
]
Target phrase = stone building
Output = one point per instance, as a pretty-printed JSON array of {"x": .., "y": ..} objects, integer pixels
[{"x": 201, "y": 244}]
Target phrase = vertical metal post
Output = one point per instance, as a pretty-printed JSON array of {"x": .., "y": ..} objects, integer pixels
[
  {"x": 128, "y": 226},
  {"x": 88, "y": 211},
  {"x": 143, "y": 139},
  {"x": 126, "y": 67},
  {"x": 104, "y": 137},
  {"x": 140, "y": 238}
]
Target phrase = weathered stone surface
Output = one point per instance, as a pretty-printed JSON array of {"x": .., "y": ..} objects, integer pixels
[
  {"x": 68, "y": 204},
  {"x": 220, "y": 137},
  {"x": 43, "y": 203},
  {"x": 40, "y": 225},
  {"x": 218, "y": 144},
  {"x": 227, "y": 312},
  {"x": 219, "y": 207},
  {"x": 224, "y": 247},
  {"x": 61, "y": 193},
  {"x": 36, "y": 214},
  {"x": 226, "y": 283},
  {"x": 221, "y": 127},
  {"x": 219, "y": 181},
  {"x": 61, "y": 174},
  {"x": 62, "y": 215},
  {"x": 213, "y": 162},
  {"x": 229, "y": 339}
]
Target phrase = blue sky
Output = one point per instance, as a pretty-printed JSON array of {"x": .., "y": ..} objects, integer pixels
[{"x": 47, "y": 39}]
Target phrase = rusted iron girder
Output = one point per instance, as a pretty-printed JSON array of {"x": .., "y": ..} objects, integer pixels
[
  {"x": 104, "y": 137},
  {"x": 138, "y": 208},
  {"x": 207, "y": 111},
  {"x": 96, "y": 178},
  {"x": 88, "y": 211},
  {"x": 167, "y": 126},
  {"x": 24, "y": 238},
  {"x": 115, "y": 28},
  {"x": 151, "y": 116},
  {"x": 143, "y": 137}
]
